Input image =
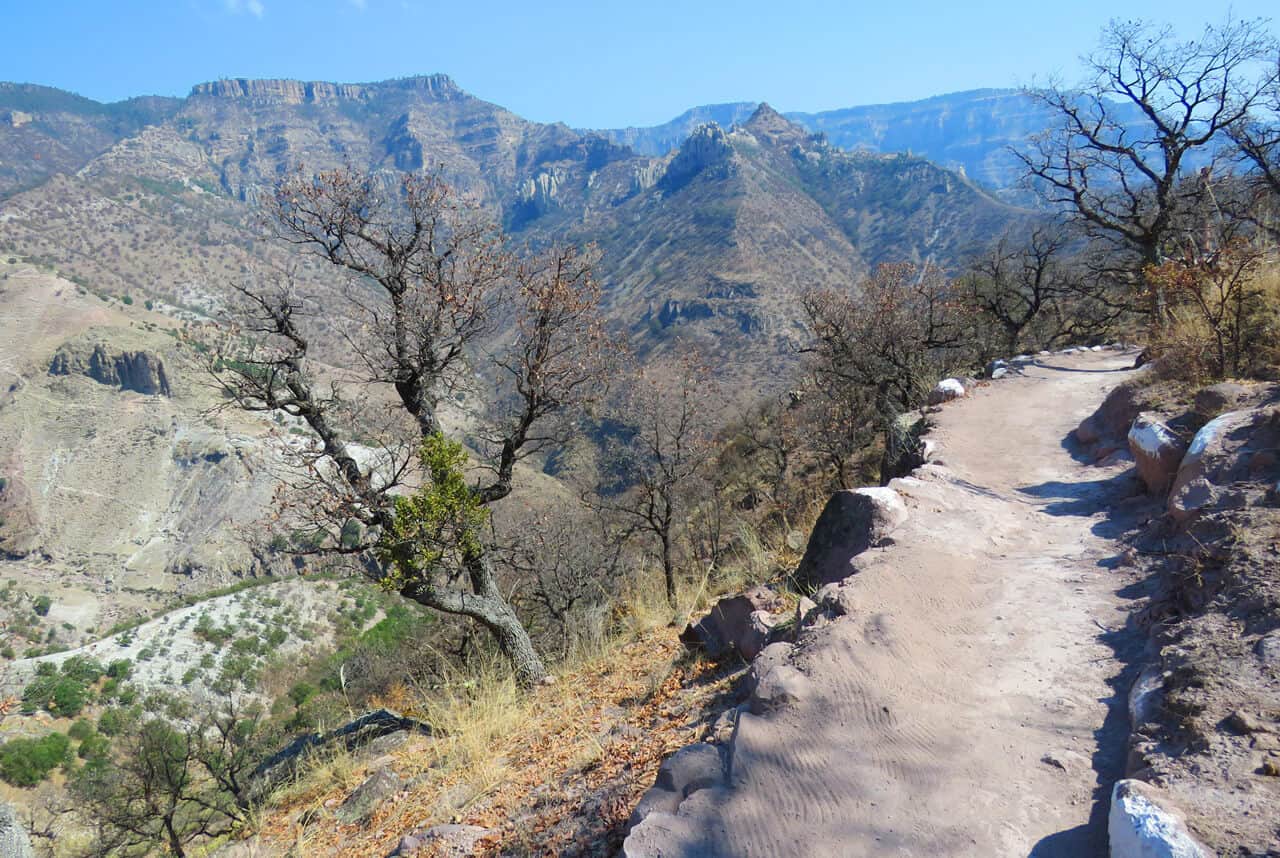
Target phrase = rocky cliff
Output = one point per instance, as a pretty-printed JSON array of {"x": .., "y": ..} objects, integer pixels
[{"x": 139, "y": 371}]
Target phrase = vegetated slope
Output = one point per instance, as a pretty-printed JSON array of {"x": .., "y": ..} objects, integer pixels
[
  {"x": 44, "y": 131},
  {"x": 968, "y": 698}
]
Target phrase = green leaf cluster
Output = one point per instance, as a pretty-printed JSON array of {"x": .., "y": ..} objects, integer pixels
[{"x": 442, "y": 519}]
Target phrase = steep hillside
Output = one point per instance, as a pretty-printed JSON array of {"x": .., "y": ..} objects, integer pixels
[
  {"x": 739, "y": 222},
  {"x": 44, "y": 131},
  {"x": 718, "y": 237}
]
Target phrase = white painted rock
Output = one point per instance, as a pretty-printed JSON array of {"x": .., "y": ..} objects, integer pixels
[
  {"x": 1141, "y": 825},
  {"x": 1156, "y": 451},
  {"x": 945, "y": 391}
]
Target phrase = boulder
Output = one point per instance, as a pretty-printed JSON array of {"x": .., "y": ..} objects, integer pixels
[
  {"x": 1146, "y": 697},
  {"x": 1223, "y": 452},
  {"x": 999, "y": 373},
  {"x": 1143, "y": 825},
  {"x": 945, "y": 391},
  {"x": 729, "y": 625},
  {"x": 1268, "y": 648},
  {"x": 1217, "y": 398},
  {"x": 904, "y": 445},
  {"x": 1114, "y": 416},
  {"x": 995, "y": 366},
  {"x": 781, "y": 685},
  {"x": 693, "y": 767},
  {"x": 1156, "y": 451},
  {"x": 852, "y": 521}
]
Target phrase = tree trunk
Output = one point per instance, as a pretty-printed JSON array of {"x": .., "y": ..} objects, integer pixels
[
  {"x": 668, "y": 568},
  {"x": 515, "y": 644}
]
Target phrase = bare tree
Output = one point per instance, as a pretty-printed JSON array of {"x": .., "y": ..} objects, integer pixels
[
  {"x": 1257, "y": 142},
  {"x": 1117, "y": 160},
  {"x": 663, "y": 459},
  {"x": 889, "y": 340},
  {"x": 1015, "y": 286},
  {"x": 433, "y": 294}
]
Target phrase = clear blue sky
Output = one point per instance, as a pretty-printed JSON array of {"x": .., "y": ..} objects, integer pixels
[{"x": 595, "y": 64}]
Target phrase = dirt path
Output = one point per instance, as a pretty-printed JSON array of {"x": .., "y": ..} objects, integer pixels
[{"x": 973, "y": 703}]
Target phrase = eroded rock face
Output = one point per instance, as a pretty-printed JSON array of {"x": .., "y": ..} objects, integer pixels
[
  {"x": 851, "y": 522},
  {"x": 1157, "y": 452},
  {"x": 1143, "y": 825},
  {"x": 139, "y": 371}
]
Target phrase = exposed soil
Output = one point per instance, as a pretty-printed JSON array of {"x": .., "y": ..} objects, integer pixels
[{"x": 974, "y": 702}]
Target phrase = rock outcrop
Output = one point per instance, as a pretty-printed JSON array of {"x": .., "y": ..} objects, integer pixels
[
  {"x": 740, "y": 624},
  {"x": 946, "y": 390},
  {"x": 140, "y": 371},
  {"x": 852, "y": 521},
  {"x": 707, "y": 147},
  {"x": 14, "y": 842}
]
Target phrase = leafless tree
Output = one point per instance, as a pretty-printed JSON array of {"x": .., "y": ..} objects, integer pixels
[
  {"x": 432, "y": 295},
  {"x": 1257, "y": 140},
  {"x": 663, "y": 458},
  {"x": 891, "y": 338},
  {"x": 1118, "y": 159}
]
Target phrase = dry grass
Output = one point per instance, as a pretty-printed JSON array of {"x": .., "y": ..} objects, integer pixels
[{"x": 553, "y": 772}]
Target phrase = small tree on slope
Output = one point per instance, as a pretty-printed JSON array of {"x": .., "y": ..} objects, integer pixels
[{"x": 431, "y": 285}]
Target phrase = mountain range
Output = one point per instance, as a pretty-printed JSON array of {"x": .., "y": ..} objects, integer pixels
[{"x": 709, "y": 233}]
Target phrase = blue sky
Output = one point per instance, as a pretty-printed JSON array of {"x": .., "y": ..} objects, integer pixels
[{"x": 600, "y": 64}]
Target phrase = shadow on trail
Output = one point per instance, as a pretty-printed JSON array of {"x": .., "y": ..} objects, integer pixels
[
  {"x": 1118, "y": 507},
  {"x": 1077, "y": 369}
]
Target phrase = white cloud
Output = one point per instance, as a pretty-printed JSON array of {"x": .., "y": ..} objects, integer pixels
[{"x": 253, "y": 7}]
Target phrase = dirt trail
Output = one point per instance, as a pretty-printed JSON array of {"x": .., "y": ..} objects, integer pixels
[{"x": 973, "y": 703}]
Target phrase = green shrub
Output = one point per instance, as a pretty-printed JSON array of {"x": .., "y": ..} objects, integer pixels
[
  {"x": 81, "y": 730},
  {"x": 120, "y": 668},
  {"x": 114, "y": 721},
  {"x": 82, "y": 668},
  {"x": 26, "y": 762},
  {"x": 94, "y": 747},
  {"x": 69, "y": 697},
  {"x": 127, "y": 299},
  {"x": 42, "y": 605}
]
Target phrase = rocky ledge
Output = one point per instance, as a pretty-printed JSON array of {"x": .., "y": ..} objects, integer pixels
[{"x": 139, "y": 371}]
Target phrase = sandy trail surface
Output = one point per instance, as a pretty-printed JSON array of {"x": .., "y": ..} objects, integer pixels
[{"x": 974, "y": 701}]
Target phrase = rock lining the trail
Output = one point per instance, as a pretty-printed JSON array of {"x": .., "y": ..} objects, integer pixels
[
  {"x": 780, "y": 683},
  {"x": 852, "y": 521},
  {"x": 1156, "y": 450},
  {"x": 1142, "y": 824}
]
